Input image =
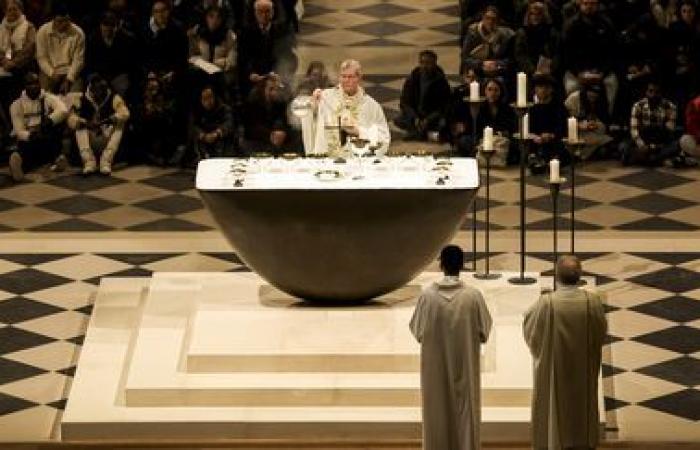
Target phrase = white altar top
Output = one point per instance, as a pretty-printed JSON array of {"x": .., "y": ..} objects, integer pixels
[{"x": 401, "y": 172}]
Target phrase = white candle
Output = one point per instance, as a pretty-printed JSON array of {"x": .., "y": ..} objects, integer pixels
[
  {"x": 526, "y": 126},
  {"x": 522, "y": 90},
  {"x": 488, "y": 139},
  {"x": 554, "y": 170},
  {"x": 474, "y": 91},
  {"x": 573, "y": 129}
]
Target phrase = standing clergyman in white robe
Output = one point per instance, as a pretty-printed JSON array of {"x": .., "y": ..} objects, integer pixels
[
  {"x": 347, "y": 105},
  {"x": 565, "y": 332},
  {"x": 451, "y": 321}
]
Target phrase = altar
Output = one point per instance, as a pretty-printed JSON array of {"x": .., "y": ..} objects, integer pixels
[{"x": 327, "y": 229}]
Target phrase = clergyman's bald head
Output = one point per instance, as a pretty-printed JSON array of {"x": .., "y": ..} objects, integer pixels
[{"x": 569, "y": 270}]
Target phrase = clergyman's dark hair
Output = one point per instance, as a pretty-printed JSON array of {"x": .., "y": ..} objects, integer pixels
[{"x": 451, "y": 260}]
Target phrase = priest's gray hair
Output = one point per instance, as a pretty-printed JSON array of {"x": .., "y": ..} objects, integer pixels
[
  {"x": 569, "y": 270},
  {"x": 260, "y": 3},
  {"x": 351, "y": 64}
]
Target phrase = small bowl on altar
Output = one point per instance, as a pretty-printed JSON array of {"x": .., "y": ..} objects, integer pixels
[{"x": 290, "y": 156}]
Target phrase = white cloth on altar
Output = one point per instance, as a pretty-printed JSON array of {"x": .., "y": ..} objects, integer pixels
[
  {"x": 451, "y": 321},
  {"x": 371, "y": 121}
]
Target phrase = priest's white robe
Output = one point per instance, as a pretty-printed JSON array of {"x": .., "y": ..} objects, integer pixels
[
  {"x": 360, "y": 110},
  {"x": 565, "y": 332},
  {"x": 451, "y": 321}
]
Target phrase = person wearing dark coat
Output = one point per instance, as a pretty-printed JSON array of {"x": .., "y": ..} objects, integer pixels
[
  {"x": 538, "y": 43},
  {"x": 458, "y": 114},
  {"x": 548, "y": 119},
  {"x": 496, "y": 113},
  {"x": 165, "y": 44},
  {"x": 424, "y": 97},
  {"x": 110, "y": 52},
  {"x": 265, "y": 47},
  {"x": 265, "y": 119},
  {"x": 212, "y": 127}
]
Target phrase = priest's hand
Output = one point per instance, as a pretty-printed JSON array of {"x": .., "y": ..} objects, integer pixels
[{"x": 317, "y": 95}]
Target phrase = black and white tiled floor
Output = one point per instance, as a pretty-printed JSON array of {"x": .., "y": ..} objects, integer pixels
[{"x": 652, "y": 359}]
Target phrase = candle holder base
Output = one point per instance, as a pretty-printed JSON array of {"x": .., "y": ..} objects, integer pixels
[
  {"x": 522, "y": 280},
  {"x": 487, "y": 276}
]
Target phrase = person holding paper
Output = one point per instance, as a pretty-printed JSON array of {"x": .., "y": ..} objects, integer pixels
[
  {"x": 488, "y": 45},
  {"x": 538, "y": 43},
  {"x": 348, "y": 106},
  {"x": 213, "y": 52},
  {"x": 451, "y": 321},
  {"x": 424, "y": 97}
]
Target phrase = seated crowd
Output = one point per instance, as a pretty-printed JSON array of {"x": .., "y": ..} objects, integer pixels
[
  {"x": 166, "y": 82},
  {"x": 628, "y": 71},
  {"x": 169, "y": 82}
]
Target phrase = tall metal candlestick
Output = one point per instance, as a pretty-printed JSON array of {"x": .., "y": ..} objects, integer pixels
[
  {"x": 554, "y": 188},
  {"x": 523, "y": 144},
  {"x": 474, "y": 107},
  {"x": 486, "y": 275}
]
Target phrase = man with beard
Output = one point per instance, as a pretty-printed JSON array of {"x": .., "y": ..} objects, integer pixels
[
  {"x": 652, "y": 128},
  {"x": 36, "y": 115},
  {"x": 424, "y": 97}
]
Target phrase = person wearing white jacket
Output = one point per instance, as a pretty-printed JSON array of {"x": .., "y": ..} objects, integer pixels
[
  {"x": 60, "y": 52},
  {"x": 36, "y": 119},
  {"x": 98, "y": 118}
]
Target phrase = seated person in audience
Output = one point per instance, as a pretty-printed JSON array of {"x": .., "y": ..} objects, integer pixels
[
  {"x": 285, "y": 15},
  {"x": 110, "y": 54},
  {"x": 589, "y": 106},
  {"x": 214, "y": 43},
  {"x": 264, "y": 48},
  {"x": 690, "y": 142},
  {"x": 304, "y": 114},
  {"x": 98, "y": 118},
  {"x": 488, "y": 45},
  {"x": 471, "y": 10},
  {"x": 17, "y": 47},
  {"x": 548, "y": 118},
  {"x": 165, "y": 53},
  {"x": 496, "y": 113},
  {"x": 684, "y": 54},
  {"x": 37, "y": 116},
  {"x": 165, "y": 45},
  {"x": 459, "y": 116},
  {"x": 128, "y": 16},
  {"x": 652, "y": 132},
  {"x": 154, "y": 121},
  {"x": 265, "y": 119},
  {"x": 590, "y": 50},
  {"x": 213, "y": 131},
  {"x": 37, "y": 11},
  {"x": 424, "y": 97},
  {"x": 538, "y": 43},
  {"x": 60, "y": 52},
  {"x": 192, "y": 13}
]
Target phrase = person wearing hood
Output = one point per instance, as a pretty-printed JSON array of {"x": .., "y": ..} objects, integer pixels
[
  {"x": 424, "y": 98},
  {"x": 98, "y": 118},
  {"x": 450, "y": 322},
  {"x": 36, "y": 116},
  {"x": 17, "y": 46}
]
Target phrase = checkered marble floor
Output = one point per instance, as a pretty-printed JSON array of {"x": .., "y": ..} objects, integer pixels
[
  {"x": 652, "y": 359},
  {"x": 152, "y": 199}
]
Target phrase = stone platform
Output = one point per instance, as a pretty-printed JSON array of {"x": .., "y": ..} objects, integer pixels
[{"x": 224, "y": 355}]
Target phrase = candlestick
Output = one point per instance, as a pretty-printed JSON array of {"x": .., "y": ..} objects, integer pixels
[
  {"x": 488, "y": 139},
  {"x": 573, "y": 129},
  {"x": 522, "y": 90},
  {"x": 521, "y": 279},
  {"x": 487, "y": 275},
  {"x": 554, "y": 187},
  {"x": 474, "y": 91}
]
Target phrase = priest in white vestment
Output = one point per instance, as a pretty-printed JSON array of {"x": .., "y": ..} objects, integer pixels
[
  {"x": 349, "y": 107},
  {"x": 565, "y": 332},
  {"x": 451, "y": 321}
]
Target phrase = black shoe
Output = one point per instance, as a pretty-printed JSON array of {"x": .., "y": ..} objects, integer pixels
[{"x": 683, "y": 161}]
